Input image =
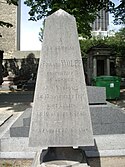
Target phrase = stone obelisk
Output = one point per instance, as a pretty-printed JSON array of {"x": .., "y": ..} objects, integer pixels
[{"x": 60, "y": 115}]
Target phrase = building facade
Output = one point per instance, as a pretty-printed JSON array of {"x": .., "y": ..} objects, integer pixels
[
  {"x": 9, "y": 42},
  {"x": 101, "y": 24},
  {"x": 100, "y": 61}
]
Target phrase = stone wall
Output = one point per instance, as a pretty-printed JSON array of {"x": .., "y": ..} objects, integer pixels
[
  {"x": 8, "y": 13},
  {"x": 22, "y": 64}
]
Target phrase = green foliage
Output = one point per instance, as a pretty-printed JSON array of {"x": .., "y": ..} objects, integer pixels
[
  {"x": 41, "y": 35},
  {"x": 116, "y": 42},
  {"x": 119, "y": 12},
  {"x": 86, "y": 44},
  {"x": 84, "y": 11}
]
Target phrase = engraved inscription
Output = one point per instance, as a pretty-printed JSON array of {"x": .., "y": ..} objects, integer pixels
[
  {"x": 60, "y": 115},
  {"x": 60, "y": 79},
  {"x": 60, "y": 73},
  {"x": 62, "y": 64},
  {"x": 64, "y": 130},
  {"x": 61, "y": 97},
  {"x": 60, "y": 106}
]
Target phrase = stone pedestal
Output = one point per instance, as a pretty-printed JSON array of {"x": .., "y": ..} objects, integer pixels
[{"x": 60, "y": 157}]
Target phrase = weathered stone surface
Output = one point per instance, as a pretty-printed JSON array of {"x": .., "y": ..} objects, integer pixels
[
  {"x": 107, "y": 119},
  {"x": 4, "y": 116},
  {"x": 20, "y": 128},
  {"x": 60, "y": 115},
  {"x": 96, "y": 95},
  {"x": 63, "y": 164},
  {"x": 8, "y": 14}
]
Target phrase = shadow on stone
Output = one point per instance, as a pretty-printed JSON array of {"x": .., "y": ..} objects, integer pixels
[
  {"x": 92, "y": 155},
  {"x": 63, "y": 153},
  {"x": 83, "y": 155}
]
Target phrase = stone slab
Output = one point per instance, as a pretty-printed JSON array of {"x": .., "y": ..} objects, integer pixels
[
  {"x": 17, "y": 155},
  {"x": 13, "y": 144},
  {"x": 60, "y": 115},
  {"x": 4, "y": 116},
  {"x": 26, "y": 121},
  {"x": 106, "y": 153},
  {"x": 96, "y": 95},
  {"x": 105, "y": 145},
  {"x": 20, "y": 121},
  {"x": 107, "y": 119},
  {"x": 63, "y": 164},
  {"x": 4, "y": 129},
  {"x": 19, "y": 131},
  {"x": 20, "y": 128}
]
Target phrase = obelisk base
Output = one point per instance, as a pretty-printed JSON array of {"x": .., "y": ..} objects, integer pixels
[{"x": 60, "y": 157}]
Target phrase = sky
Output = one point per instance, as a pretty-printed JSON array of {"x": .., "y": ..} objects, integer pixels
[
  {"x": 111, "y": 25},
  {"x": 30, "y": 29}
]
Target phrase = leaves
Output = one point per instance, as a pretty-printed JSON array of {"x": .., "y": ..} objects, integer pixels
[
  {"x": 119, "y": 12},
  {"x": 86, "y": 44},
  {"x": 116, "y": 42},
  {"x": 84, "y": 11}
]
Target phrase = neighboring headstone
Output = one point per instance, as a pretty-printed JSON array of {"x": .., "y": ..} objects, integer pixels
[
  {"x": 60, "y": 115},
  {"x": 96, "y": 96},
  {"x": 106, "y": 120},
  {"x": 21, "y": 126}
]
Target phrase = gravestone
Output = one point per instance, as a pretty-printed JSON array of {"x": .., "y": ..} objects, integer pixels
[{"x": 60, "y": 114}]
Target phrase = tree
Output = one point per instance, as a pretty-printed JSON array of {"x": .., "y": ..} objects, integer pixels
[
  {"x": 4, "y": 23},
  {"x": 116, "y": 42},
  {"x": 86, "y": 44},
  {"x": 119, "y": 12},
  {"x": 84, "y": 11}
]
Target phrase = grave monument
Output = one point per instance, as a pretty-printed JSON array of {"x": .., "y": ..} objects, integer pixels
[
  {"x": 60, "y": 118},
  {"x": 60, "y": 114}
]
